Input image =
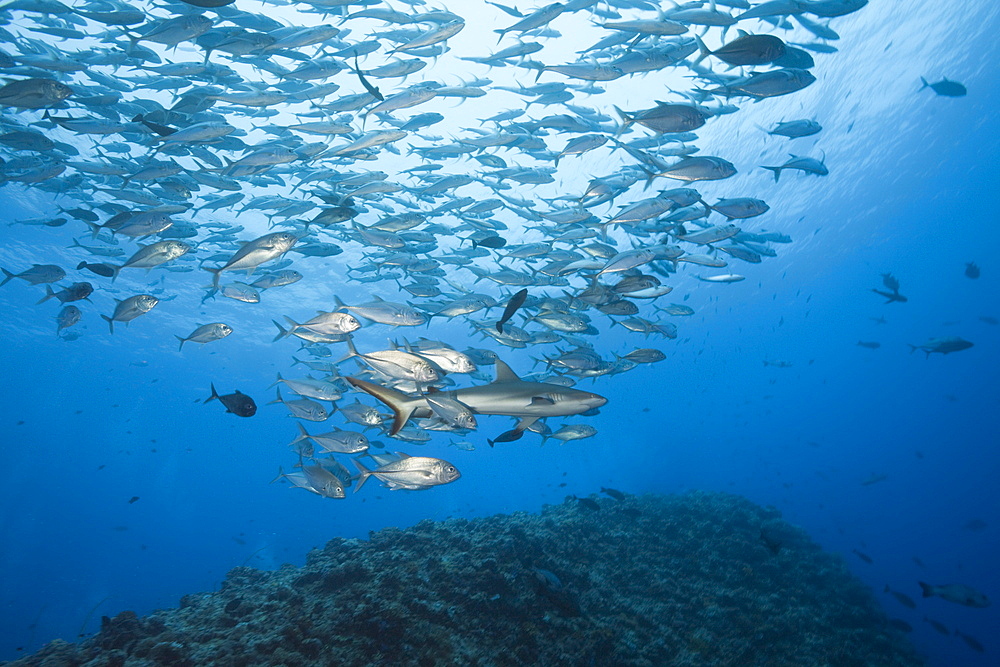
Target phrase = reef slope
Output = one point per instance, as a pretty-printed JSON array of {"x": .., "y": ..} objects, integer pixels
[{"x": 694, "y": 579}]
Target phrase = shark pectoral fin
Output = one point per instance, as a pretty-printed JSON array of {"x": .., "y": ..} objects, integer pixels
[{"x": 524, "y": 423}]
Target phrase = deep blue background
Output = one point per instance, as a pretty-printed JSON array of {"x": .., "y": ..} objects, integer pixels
[{"x": 90, "y": 423}]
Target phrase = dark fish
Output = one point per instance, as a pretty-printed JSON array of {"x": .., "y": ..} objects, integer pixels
[
  {"x": 903, "y": 598},
  {"x": 372, "y": 90},
  {"x": 237, "y": 403},
  {"x": 105, "y": 270},
  {"x": 945, "y": 88},
  {"x": 749, "y": 50},
  {"x": 494, "y": 242},
  {"x": 870, "y": 344},
  {"x": 971, "y": 641},
  {"x": 957, "y": 593},
  {"x": 900, "y": 625},
  {"x": 940, "y": 627},
  {"x": 162, "y": 130},
  {"x": 208, "y": 4},
  {"x": 614, "y": 493},
  {"x": 74, "y": 292},
  {"x": 507, "y": 436},
  {"x": 133, "y": 499},
  {"x": 588, "y": 504},
  {"x": 773, "y": 545},
  {"x": 891, "y": 296},
  {"x": 863, "y": 556},
  {"x": 515, "y": 302},
  {"x": 971, "y": 270}
]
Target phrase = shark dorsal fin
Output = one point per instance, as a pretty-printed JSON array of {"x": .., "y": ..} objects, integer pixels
[{"x": 505, "y": 374}]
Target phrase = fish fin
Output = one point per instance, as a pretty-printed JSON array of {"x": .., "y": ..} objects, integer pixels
[
  {"x": 279, "y": 399},
  {"x": 282, "y": 332},
  {"x": 111, "y": 323},
  {"x": 364, "y": 474},
  {"x": 402, "y": 405},
  {"x": 215, "y": 394},
  {"x": 504, "y": 373},
  {"x": 215, "y": 276},
  {"x": 48, "y": 294},
  {"x": 182, "y": 340},
  {"x": 776, "y": 170},
  {"x": 524, "y": 423},
  {"x": 924, "y": 81},
  {"x": 926, "y": 588},
  {"x": 281, "y": 473}
]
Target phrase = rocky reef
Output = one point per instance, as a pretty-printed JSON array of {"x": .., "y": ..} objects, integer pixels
[{"x": 693, "y": 579}]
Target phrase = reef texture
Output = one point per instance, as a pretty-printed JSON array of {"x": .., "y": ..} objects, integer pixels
[{"x": 695, "y": 579}]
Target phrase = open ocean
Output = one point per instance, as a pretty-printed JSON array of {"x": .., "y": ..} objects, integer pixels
[{"x": 120, "y": 489}]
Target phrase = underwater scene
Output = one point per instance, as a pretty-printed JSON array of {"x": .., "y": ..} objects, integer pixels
[{"x": 413, "y": 332}]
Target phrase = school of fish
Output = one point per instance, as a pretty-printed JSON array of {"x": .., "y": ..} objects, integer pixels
[{"x": 251, "y": 145}]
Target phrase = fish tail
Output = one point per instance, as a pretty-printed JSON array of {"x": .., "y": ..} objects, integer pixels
[
  {"x": 279, "y": 399},
  {"x": 303, "y": 434},
  {"x": 215, "y": 276},
  {"x": 913, "y": 348},
  {"x": 282, "y": 331},
  {"x": 924, "y": 81},
  {"x": 281, "y": 473},
  {"x": 926, "y": 588},
  {"x": 363, "y": 474},
  {"x": 704, "y": 51},
  {"x": 777, "y": 172},
  {"x": 401, "y": 405},
  {"x": 182, "y": 340},
  {"x": 215, "y": 394},
  {"x": 626, "y": 121},
  {"x": 111, "y": 323},
  {"x": 8, "y": 276},
  {"x": 280, "y": 379},
  {"x": 48, "y": 295}
]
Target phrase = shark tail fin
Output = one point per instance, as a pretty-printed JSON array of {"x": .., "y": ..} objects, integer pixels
[{"x": 401, "y": 405}]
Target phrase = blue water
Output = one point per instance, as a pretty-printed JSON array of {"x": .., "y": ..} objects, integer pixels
[{"x": 91, "y": 423}]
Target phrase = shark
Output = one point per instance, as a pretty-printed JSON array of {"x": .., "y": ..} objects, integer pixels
[{"x": 507, "y": 395}]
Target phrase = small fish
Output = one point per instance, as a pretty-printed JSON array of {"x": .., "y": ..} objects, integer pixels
[
  {"x": 515, "y": 302},
  {"x": 871, "y": 345},
  {"x": 372, "y": 90},
  {"x": 971, "y": 641},
  {"x": 206, "y": 333},
  {"x": 614, "y": 493},
  {"x": 410, "y": 472},
  {"x": 957, "y": 593},
  {"x": 971, "y": 270},
  {"x": 944, "y": 345},
  {"x": 940, "y": 627},
  {"x": 36, "y": 275},
  {"x": 106, "y": 270},
  {"x": 945, "y": 88},
  {"x": 237, "y": 403},
  {"x": 507, "y": 436},
  {"x": 903, "y": 598},
  {"x": 133, "y": 499},
  {"x": 863, "y": 556}
]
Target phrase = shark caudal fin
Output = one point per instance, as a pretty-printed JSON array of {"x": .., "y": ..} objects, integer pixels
[{"x": 401, "y": 404}]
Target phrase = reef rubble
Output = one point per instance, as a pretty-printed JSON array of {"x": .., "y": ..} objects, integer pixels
[{"x": 645, "y": 581}]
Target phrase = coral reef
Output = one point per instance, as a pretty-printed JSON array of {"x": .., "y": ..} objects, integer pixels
[{"x": 694, "y": 579}]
